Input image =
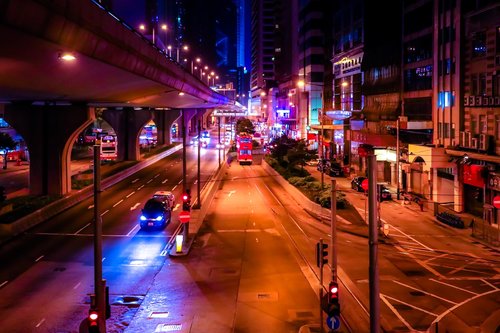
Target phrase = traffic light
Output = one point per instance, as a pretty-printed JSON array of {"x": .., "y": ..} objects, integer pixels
[
  {"x": 93, "y": 320},
  {"x": 321, "y": 254},
  {"x": 333, "y": 299},
  {"x": 186, "y": 201}
]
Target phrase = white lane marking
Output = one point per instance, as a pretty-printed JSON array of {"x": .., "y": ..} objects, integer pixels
[
  {"x": 140, "y": 187},
  {"x": 131, "y": 231},
  {"x": 149, "y": 181},
  {"x": 430, "y": 294},
  {"x": 105, "y": 212},
  {"x": 180, "y": 182},
  {"x": 40, "y": 323},
  {"x": 91, "y": 206},
  {"x": 135, "y": 180},
  {"x": 418, "y": 261},
  {"x": 173, "y": 188},
  {"x": 156, "y": 175},
  {"x": 230, "y": 193},
  {"x": 163, "y": 253},
  {"x": 413, "y": 239},
  {"x": 163, "y": 182},
  {"x": 196, "y": 181},
  {"x": 411, "y": 305},
  {"x": 452, "y": 286},
  {"x": 119, "y": 202},
  {"x": 77, "y": 285},
  {"x": 491, "y": 285},
  {"x": 128, "y": 195},
  {"x": 135, "y": 206},
  {"x": 79, "y": 230},
  {"x": 176, "y": 206},
  {"x": 103, "y": 259},
  {"x": 3, "y": 283},
  {"x": 389, "y": 305},
  {"x": 39, "y": 258}
]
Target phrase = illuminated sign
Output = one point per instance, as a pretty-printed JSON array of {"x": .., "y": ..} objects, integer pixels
[{"x": 339, "y": 114}]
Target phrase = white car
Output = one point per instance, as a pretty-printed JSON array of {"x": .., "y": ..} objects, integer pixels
[{"x": 165, "y": 196}]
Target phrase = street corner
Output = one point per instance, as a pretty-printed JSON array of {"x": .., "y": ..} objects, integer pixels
[{"x": 180, "y": 246}]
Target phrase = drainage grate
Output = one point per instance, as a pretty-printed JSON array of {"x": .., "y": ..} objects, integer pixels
[
  {"x": 168, "y": 328},
  {"x": 263, "y": 296},
  {"x": 157, "y": 314}
]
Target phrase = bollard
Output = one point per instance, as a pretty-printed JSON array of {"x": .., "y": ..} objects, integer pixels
[{"x": 178, "y": 243}]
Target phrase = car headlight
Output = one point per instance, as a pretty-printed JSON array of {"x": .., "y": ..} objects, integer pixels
[
  {"x": 159, "y": 218},
  {"x": 143, "y": 218}
]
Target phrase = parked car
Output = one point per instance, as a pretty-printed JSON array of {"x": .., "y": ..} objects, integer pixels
[
  {"x": 335, "y": 170},
  {"x": 356, "y": 183},
  {"x": 155, "y": 214},
  {"x": 385, "y": 194}
]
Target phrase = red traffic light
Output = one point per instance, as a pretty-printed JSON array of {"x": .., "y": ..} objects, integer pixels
[
  {"x": 185, "y": 197},
  {"x": 333, "y": 292},
  {"x": 334, "y": 289},
  {"x": 93, "y": 317}
]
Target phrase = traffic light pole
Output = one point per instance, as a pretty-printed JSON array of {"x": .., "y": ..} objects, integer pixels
[
  {"x": 198, "y": 203},
  {"x": 99, "y": 283},
  {"x": 218, "y": 151},
  {"x": 333, "y": 231},
  {"x": 183, "y": 124},
  {"x": 373, "y": 242}
]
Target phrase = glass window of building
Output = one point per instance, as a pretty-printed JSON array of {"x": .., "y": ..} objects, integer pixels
[
  {"x": 483, "y": 127},
  {"x": 479, "y": 44}
]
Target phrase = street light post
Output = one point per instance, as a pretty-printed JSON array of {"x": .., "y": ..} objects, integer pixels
[
  {"x": 397, "y": 159},
  {"x": 321, "y": 149}
]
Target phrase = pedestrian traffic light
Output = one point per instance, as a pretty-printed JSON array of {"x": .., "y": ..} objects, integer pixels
[
  {"x": 333, "y": 299},
  {"x": 186, "y": 202},
  {"x": 321, "y": 254},
  {"x": 93, "y": 321}
]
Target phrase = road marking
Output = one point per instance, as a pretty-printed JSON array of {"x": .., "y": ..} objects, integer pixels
[
  {"x": 131, "y": 231},
  {"x": 176, "y": 206},
  {"x": 40, "y": 323},
  {"x": 103, "y": 259},
  {"x": 413, "y": 239},
  {"x": 91, "y": 206},
  {"x": 119, "y": 202},
  {"x": 3, "y": 283},
  {"x": 491, "y": 285},
  {"x": 149, "y": 181},
  {"x": 77, "y": 285},
  {"x": 135, "y": 206},
  {"x": 196, "y": 181},
  {"x": 135, "y": 180},
  {"x": 163, "y": 182},
  {"x": 105, "y": 212},
  {"x": 78, "y": 231},
  {"x": 230, "y": 193},
  {"x": 140, "y": 187},
  {"x": 156, "y": 175},
  {"x": 173, "y": 188},
  {"x": 452, "y": 286},
  {"x": 39, "y": 258},
  {"x": 128, "y": 195},
  {"x": 389, "y": 305},
  {"x": 411, "y": 305},
  {"x": 180, "y": 182},
  {"x": 430, "y": 294}
]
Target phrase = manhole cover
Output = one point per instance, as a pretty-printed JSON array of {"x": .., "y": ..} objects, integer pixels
[{"x": 130, "y": 301}]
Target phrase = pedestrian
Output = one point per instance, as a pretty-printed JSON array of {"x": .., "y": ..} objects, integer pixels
[{"x": 229, "y": 160}]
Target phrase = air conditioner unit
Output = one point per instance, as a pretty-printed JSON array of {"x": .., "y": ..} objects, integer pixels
[
  {"x": 462, "y": 140},
  {"x": 479, "y": 101},
  {"x": 484, "y": 141},
  {"x": 473, "y": 143},
  {"x": 466, "y": 100},
  {"x": 468, "y": 139},
  {"x": 496, "y": 101},
  {"x": 472, "y": 100}
]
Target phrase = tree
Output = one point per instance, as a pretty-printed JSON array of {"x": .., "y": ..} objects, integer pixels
[
  {"x": 6, "y": 144},
  {"x": 297, "y": 155},
  {"x": 244, "y": 125}
]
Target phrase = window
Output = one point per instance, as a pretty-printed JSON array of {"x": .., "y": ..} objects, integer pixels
[
  {"x": 483, "y": 127},
  {"x": 473, "y": 124},
  {"x": 497, "y": 126},
  {"x": 496, "y": 85},
  {"x": 445, "y": 99},
  {"x": 446, "y": 35},
  {"x": 446, "y": 67},
  {"x": 482, "y": 84},
  {"x": 479, "y": 44},
  {"x": 474, "y": 84}
]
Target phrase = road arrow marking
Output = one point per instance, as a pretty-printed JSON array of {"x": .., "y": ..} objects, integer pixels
[{"x": 135, "y": 206}]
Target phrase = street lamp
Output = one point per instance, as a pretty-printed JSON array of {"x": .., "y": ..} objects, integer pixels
[
  {"x": 163, "y": 27},
  {"x": 198, "y": 60}
]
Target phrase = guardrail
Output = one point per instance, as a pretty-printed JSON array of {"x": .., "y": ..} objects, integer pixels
[{"x": 56, "y": 207}]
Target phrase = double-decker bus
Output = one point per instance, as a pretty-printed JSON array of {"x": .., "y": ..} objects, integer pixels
[
  {"x": 244, "y": 148},
  {"x": 109, "y": 148}
]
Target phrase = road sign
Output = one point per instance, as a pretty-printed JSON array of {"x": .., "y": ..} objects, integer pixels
[
  {"x": 184, "y": 216},
  {"x": 364, "y": 184},
  {"x": 496, "y": 201},
  {"x": 333, "y": 323}
]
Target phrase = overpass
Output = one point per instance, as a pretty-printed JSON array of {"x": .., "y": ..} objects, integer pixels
[{"x": 116, "y": 72}]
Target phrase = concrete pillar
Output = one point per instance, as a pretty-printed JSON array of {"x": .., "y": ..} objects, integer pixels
[
  {"x": 458, "y": 191},
  {"x": 50, "y": 132},
  {"x": 164, "y": 120},
  {"x": 128, "y": 124},
  {"x": 189, "y": 114},
  {"x": 394, "y": 175}
]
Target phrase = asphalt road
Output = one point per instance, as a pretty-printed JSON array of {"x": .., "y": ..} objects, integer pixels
[{"x": 47, "y": 273}]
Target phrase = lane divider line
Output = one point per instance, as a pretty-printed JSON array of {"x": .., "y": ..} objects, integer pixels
[
  {"x": 140, "y": 187},
  {"x": 135, "y": 180},
  {"x": 163, "y": 182},
  {"x": 39, "y": 258},
  {"x": 105, "y": 212},
  {"x": 128, "y": 195},
  {"x": 40, "y": 323},
  {"x": 79, "y": 230},
  {"x": 135, "y": 206},
  {"x": 119, "y": 202}
]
